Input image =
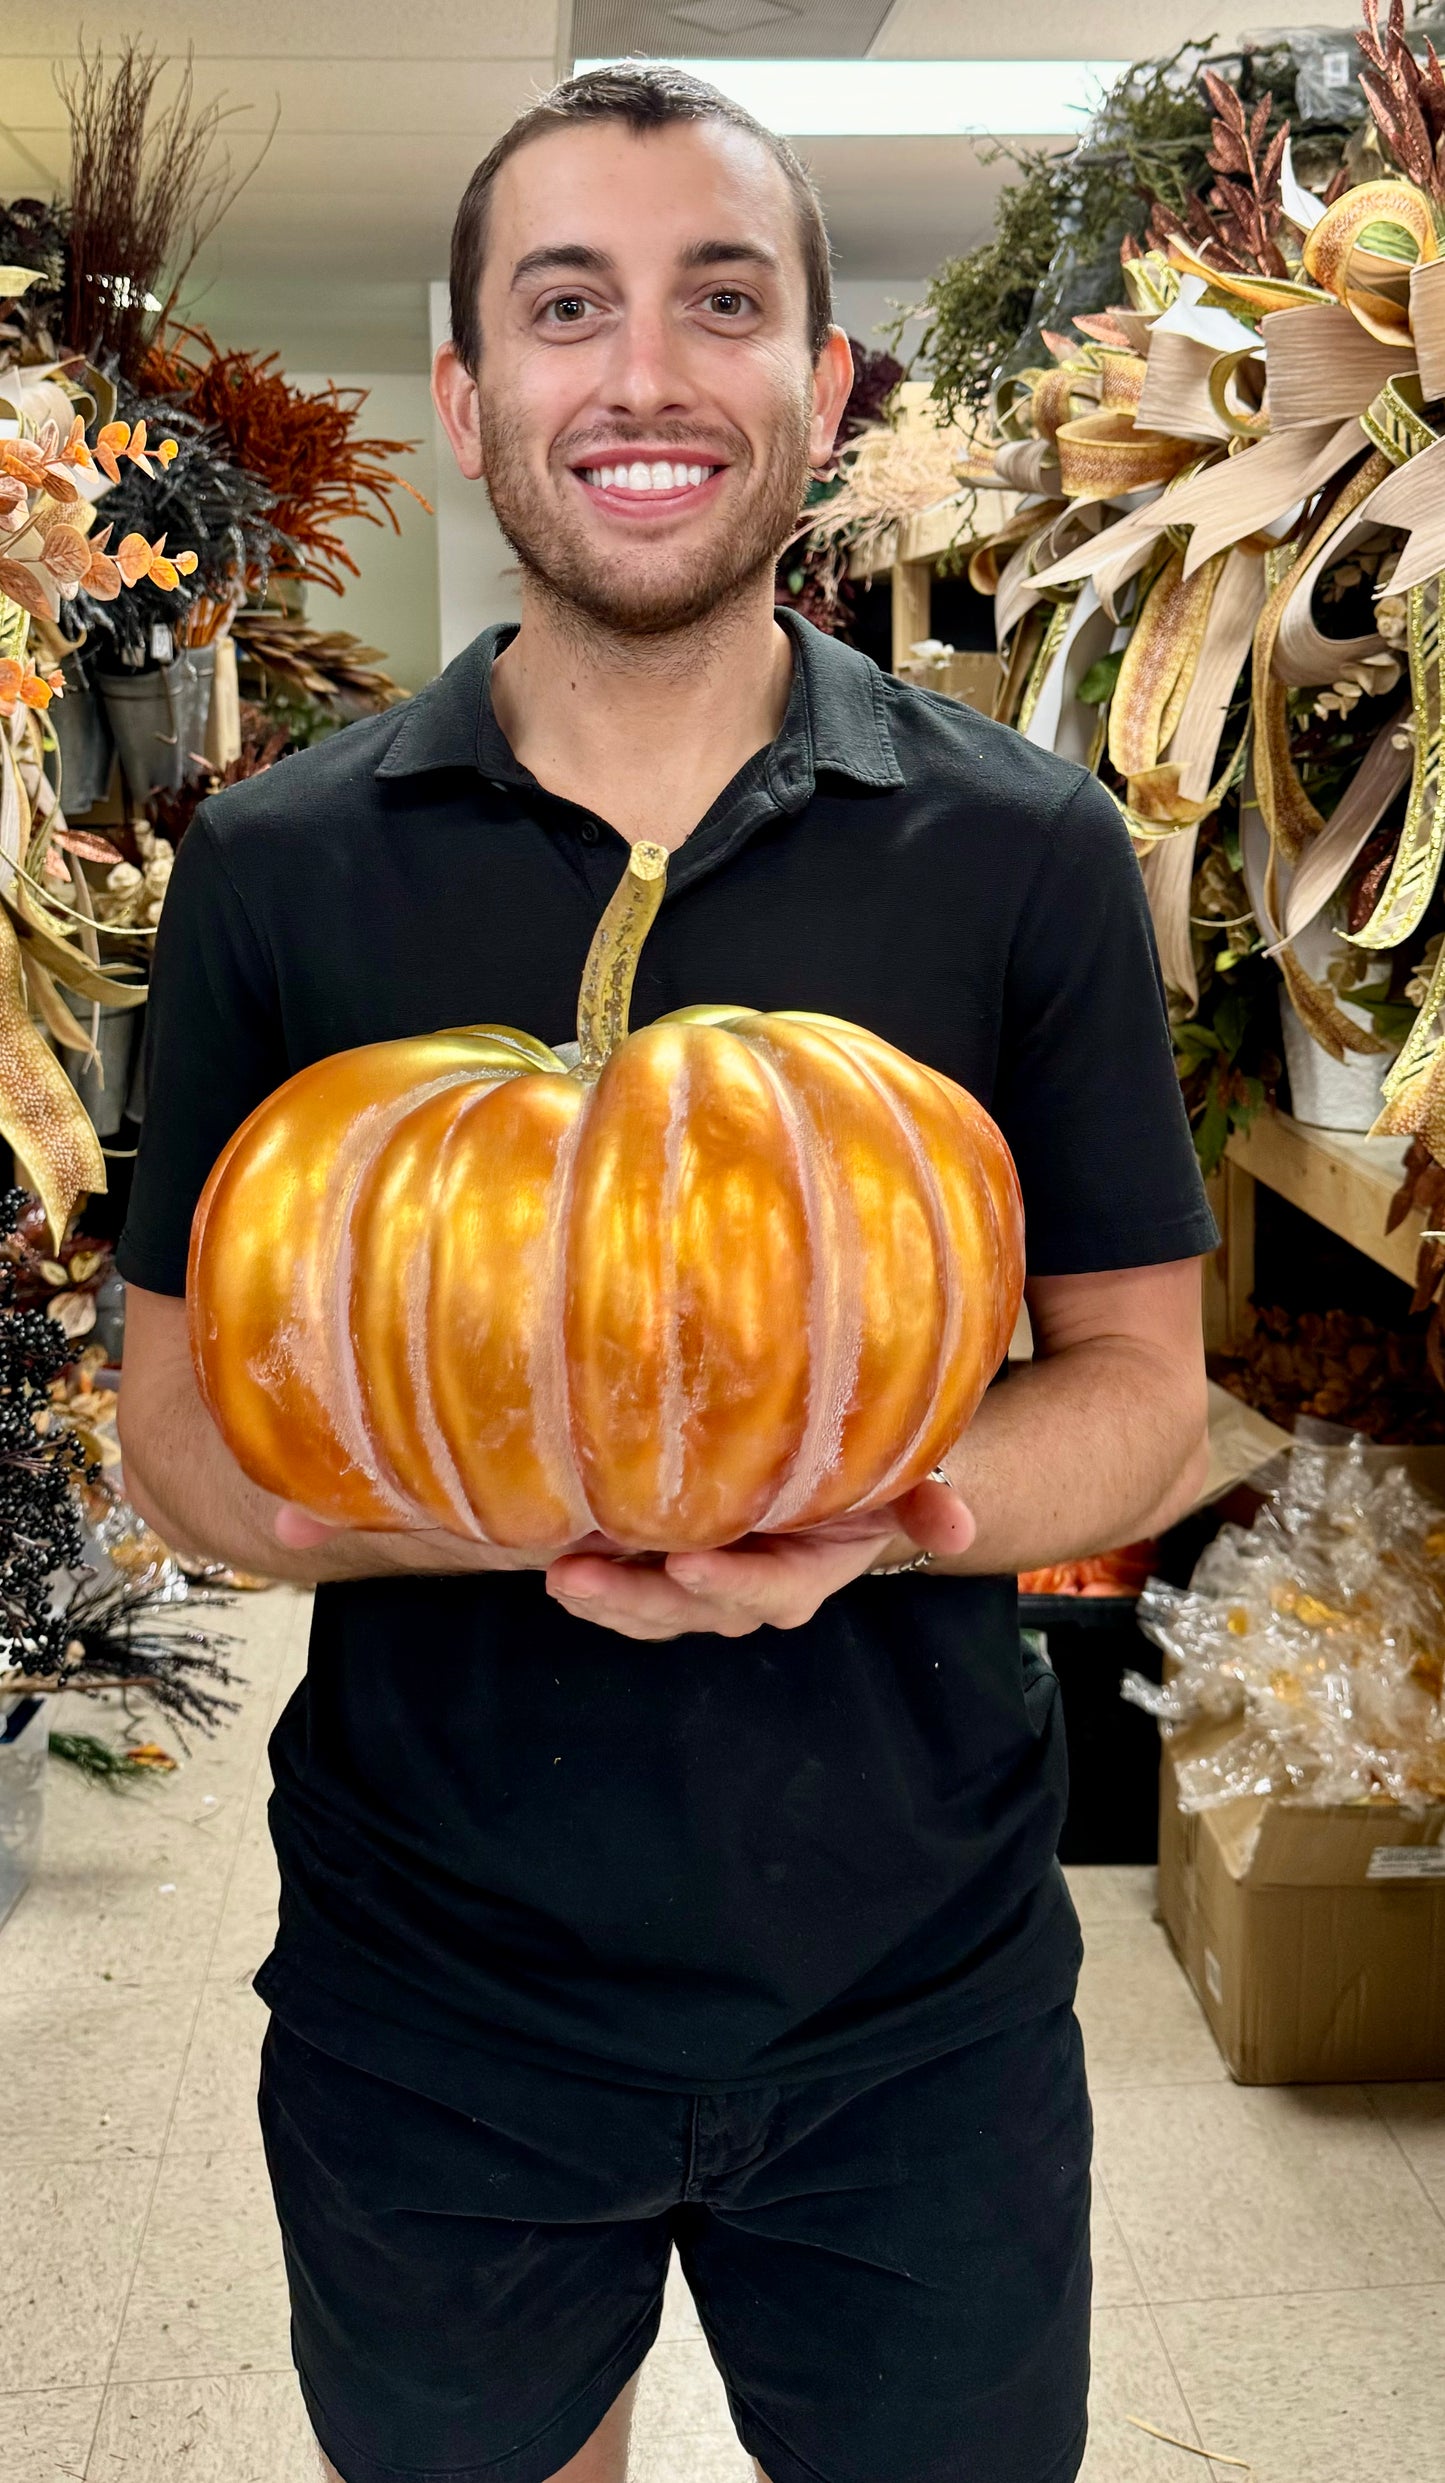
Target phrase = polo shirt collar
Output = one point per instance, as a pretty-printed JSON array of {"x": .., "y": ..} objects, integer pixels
[{"x": 836, "y": 721}]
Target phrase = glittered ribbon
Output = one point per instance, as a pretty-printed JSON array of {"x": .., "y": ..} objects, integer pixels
[
  {"x": 1288, "y": 813},
  {"x": 1416, "y": 866},
  {"x": 1105, "y": 454}
]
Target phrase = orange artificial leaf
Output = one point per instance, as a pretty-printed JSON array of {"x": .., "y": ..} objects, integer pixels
[
  {"x": 163, "y": 572},
  {"x": 109, "y": 441},
  {"x": 187, "y": 563},
  {"x": 29, "y": 588},
  {"x": 23, "y": 459},
  {"x": 133, "y": 559},
  {"x": 59, "y": 485},
  {"x": 47, "y": 440},
  {"x": 35, "y": 691},
  {"x": 66, "y": 554},
  {"x": 75, "y": 452},
  {"x": 102, "y": 579},
  {"x": 165, "y": 450}
]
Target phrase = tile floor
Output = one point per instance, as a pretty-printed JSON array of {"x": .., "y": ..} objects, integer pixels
[{"x": 1270, "y": 2264}]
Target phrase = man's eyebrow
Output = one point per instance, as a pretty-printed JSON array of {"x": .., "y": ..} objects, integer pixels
[
  {"x": 579, "y": 258},
  {"x": 559, "y": 254},
  {"x": 725, "y": 253}
]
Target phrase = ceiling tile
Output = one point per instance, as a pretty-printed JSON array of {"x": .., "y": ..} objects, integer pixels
[
  {"x": 28, "y": 164},
  {"x": 1062, "y": 30},
  {"x": 476, "y": 97},
  {"x": 393, "y": 167},
  {"x": 905, "y": 203},
  {"x": 725, "y": 29},
  {"x": 319, "y": 30}
]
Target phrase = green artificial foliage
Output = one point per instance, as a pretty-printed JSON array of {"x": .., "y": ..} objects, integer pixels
[
  {"x": 100, "y": 1763},
  {"x": 977, "y": 306},
  {"x": 1058, "y": 228},
  {"x": 1227, "y": 1054}
]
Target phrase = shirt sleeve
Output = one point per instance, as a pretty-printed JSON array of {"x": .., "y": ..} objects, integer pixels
[
  {"x": 213, "y": 1050},
  {"x": 1088, "y": 1095}
]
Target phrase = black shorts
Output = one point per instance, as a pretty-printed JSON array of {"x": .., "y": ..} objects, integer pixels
[{"x": 892, "y": 2271}]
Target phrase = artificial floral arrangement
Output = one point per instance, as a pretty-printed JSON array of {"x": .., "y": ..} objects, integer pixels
[
  {"x": 53, "y": 940},
  {"x": 1200, "y": 374},
  {"x": 63, "y": 1626},
  {"x": 160, "y": 501},
  {"x": 812, "y": 573},
  {"x": 157, "y": 499}
]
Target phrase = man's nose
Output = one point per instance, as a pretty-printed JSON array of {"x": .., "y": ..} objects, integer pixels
[{"x": 647, "y": 372}]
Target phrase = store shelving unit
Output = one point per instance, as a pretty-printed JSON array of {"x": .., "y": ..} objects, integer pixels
[
  {"x": 906, "y": 555},
  {"x": 1345, "y": 1183}
]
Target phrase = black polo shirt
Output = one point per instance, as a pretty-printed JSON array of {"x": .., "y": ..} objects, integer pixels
[{"x": 716, "y": 1860}]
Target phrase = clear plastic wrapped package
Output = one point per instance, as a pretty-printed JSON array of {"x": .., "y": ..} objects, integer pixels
[
  {"x": 1319, "y": 1633},
  {"x": 1327, "y": 61}
]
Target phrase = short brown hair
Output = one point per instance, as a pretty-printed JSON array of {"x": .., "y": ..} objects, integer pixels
[{"x": 646, "y": 95}]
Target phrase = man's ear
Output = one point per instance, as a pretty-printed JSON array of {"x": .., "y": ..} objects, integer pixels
[
  {"x": 832, "y": 383},
  {"x": 454, "y": 394}
]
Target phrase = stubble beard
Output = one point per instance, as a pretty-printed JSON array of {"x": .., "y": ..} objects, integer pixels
[{"x": 650, "y": 592}]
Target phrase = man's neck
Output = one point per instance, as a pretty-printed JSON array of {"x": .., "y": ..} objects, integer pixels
[{"x": 647, "y": 732}]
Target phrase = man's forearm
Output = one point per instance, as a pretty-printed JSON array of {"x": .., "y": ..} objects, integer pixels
[
  {"x": 1098, "y": 1446},
  {"x": 185, "y": 1483}
]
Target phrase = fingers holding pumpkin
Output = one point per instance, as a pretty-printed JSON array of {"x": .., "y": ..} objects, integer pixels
[{"x": 778, "y": 1583}]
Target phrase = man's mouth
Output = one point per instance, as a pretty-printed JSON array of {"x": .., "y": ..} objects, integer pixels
[{"x": 653, "y": 482}]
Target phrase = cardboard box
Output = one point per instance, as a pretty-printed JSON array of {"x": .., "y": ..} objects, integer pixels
[{"x": 1314, "y": 1939}]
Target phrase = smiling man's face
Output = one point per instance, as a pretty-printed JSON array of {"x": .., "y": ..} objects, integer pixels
[{"x": 647, "y": 407}]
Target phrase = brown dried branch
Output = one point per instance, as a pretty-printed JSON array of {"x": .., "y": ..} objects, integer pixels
[
  {"x": 1406, "y": 97},
  {"x": 1237, "y": 228},
  {"x": 302, "y": 444},
  {"x": 330, "y": 666},
  {"x": 148, "y": 187}
]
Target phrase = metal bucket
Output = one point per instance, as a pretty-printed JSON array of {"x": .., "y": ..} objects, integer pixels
[
  {"x": 78, "y": 720},
  {"x": 24, "y": 1747},
  {"x": 159, "y": 721},
  {"x": 106, "y": 1100}
]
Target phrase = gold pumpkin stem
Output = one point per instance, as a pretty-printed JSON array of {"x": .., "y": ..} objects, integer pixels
[{"x": 611, "y": 967}]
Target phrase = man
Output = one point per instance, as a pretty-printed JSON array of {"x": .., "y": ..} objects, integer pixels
[{"x": 708, "y": 1904}]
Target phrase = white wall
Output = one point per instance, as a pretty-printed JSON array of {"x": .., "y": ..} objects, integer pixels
[
  {"x": 476, "y": 566},
  {"x": 393, "y": 604},
  {"x": 864, "y": 304}
]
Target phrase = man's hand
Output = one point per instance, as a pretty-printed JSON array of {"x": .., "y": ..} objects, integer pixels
[
  {"x": 767, "y": 1581},
  {"x": 426, "y": 1550}
]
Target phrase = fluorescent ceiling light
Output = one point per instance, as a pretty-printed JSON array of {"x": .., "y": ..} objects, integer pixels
[{"x": 910, "y": 98}]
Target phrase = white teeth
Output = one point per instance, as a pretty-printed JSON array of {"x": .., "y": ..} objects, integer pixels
[{"x": 662, "y": 475}]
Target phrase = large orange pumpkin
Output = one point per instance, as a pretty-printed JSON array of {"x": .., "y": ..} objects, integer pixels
[{"x": 738, "y": 1271}]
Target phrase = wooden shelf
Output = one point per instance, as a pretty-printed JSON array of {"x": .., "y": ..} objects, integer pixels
[
  {"x": 1343, "y": 1182},
  {"x": 1346, "y": 1183},
  {"x": 935, "y": 531}
]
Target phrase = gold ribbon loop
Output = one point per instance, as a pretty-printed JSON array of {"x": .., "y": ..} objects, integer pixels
[
  {"x": 1102, "y": 455},
  {"x": 1363, "y": 248}
]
